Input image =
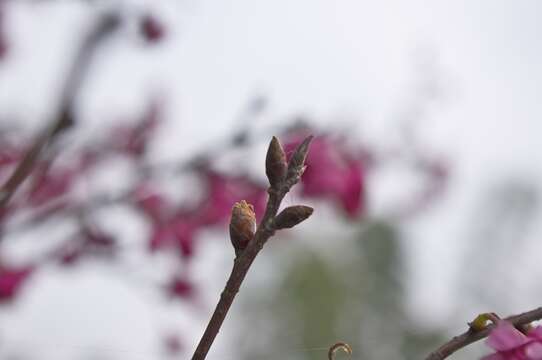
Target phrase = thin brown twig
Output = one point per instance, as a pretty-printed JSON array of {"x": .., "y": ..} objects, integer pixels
[
  {"x": 56, "y": 210},
  {"x": 63, "y": 118},
  {"x": 243, "y": 262},
  {"x": 471, "y": 336}
]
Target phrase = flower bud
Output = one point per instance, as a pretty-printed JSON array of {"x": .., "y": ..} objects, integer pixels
[
  {"x": 296, "y": 165},
  {"x": 275, "y": 163},
  {"x": 151, "y": 29},
  {"x": 479, "y": 323},
  {"x": 242, "y": 225},
  {"x": 291, "y": 216}
]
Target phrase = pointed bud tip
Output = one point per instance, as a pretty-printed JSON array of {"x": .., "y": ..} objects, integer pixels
[
  {"x": 292, "y": 215},
  {"x": 297, "y": 161},
  {"x": 275, "y": 163},
  {"x": 242, "y": 225}
]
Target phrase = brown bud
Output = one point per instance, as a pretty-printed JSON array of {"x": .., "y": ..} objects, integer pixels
[
  {"x": 242, "y": 225},
  {"x": 291, "y": 216},
  {"x": 296, "y": 166},
  {"x": 275, "y": 163}
]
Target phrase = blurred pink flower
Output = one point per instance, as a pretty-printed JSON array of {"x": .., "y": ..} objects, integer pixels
[
  {"x": 511, "y": 344},
  {"x": 173, "y": 344},
  {"x": 151, "y": 28},
  {"x": 11, "y": 280},
  {"x": 152, "y": 203},
  {"x": 184, "y": 231},
  {"x": 178, "y": 233},
  {"x": 223, "y": 192},
  {"x": 177, "y": 229},
  {"x": 180, "y": 287},
  {"x": 9, "y": 155},
  {"x": 161, "y": 237},
  {"x": 171, "y": 228},
  {"x": 50, "y": 185},
  {"x": 332, "y": 172}
]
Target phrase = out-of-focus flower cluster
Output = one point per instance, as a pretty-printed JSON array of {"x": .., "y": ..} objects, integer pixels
[
  {"x": 511, "y": 344},
  {"x": 334, "y": 173}
]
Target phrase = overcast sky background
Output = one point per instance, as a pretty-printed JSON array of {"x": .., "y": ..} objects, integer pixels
[{"x": 333, "y": 60}]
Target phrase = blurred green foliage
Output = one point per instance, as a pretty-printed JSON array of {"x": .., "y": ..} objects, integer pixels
[{"x": 358, "y": 299}]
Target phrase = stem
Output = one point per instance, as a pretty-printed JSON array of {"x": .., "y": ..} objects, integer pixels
[
  {"x": 471, "y": 336},
  {"x": 241, "y": 266},
  {"x": 266, "y": 229}
]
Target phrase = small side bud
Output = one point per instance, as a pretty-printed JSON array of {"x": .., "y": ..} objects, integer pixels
[
  {"x": 291, "y": 216},
  {"x": 242, "y": 225},
  {"x": 296, "y": 165},
  {"x": 275, "y": 163},
  {"x": 479, "y": 323},
  {"x": 151, "y": 28}
]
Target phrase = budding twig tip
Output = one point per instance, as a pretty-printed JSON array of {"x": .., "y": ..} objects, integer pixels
[
  {"x": 296, "y": 166},
  {"x": 275, "y": 163},
  {"x": 242, "y": 225}
]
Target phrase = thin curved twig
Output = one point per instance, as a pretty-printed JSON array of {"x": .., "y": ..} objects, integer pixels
[
  {"x": 338, "y": 346},
  {"x": 471, "y": 335}
]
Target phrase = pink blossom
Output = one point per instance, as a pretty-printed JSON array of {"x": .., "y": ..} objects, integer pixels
[
  {"x": 184, "y": 230},
  {"x": 51, "y": 185},
  {"x": 87, "y": 159},
  {"x": 332, "y": 172},
  {"x": 8, "y": 155},
  {"x": 173, "y": 344},
  {"x": 511, "y": 344},
  {"x": 178, "y": 233},
  {"x": 161, "y": 237},
  {"x": 180, "y": 287},
  {"x": 177, "y": 230},
  {"x": 11, "y": 280},
  {"x": 151, "y": 202},
  {"x": 171, "y": 229},
  {"x": 223, "y": 192},
  {"x": 151, "y": 28}
]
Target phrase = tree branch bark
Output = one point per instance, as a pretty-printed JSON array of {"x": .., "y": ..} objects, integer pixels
[
  {"x": 471, "y": 336},
  {"x": 63, "y": 118}
]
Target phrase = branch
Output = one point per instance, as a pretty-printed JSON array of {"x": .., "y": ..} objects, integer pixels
[
  {"x": 63, "y": 118},
  {"x": 265, "y": 230},
  {"x": 471, "y": 335}
]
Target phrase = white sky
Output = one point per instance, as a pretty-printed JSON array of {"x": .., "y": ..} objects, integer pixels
[{"x": 355, "y": 59}]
